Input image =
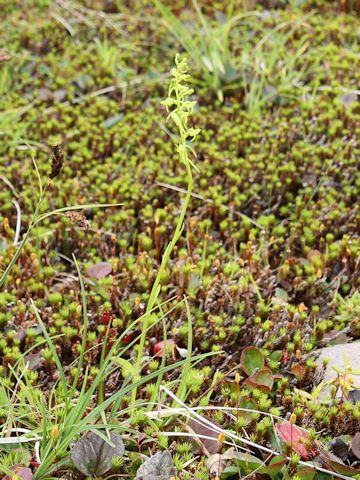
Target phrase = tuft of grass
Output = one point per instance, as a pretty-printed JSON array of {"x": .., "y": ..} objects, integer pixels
[
  {"x": 208, "y": 45},
  {"x": 65, "y": 412}
]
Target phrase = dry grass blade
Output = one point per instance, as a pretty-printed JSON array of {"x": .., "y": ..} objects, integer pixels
[{"x": 245, "y": 441}]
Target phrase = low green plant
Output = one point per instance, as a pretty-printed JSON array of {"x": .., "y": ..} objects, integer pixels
[
  {"x": 108, "y": 55},
  {"x": 264, "y": 70},
  {"x": 17, "y": 456},
  {"x": 208, "y": 45},
  {"x": 180, "y": 110},
  {"x": 270, "y": 74}
]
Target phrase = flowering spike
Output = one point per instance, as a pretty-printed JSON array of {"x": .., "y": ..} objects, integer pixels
[{"x": 178, "y": 106}]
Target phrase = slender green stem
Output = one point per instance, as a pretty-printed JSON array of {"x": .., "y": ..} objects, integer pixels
[
  {"x": 23, "y": 242},
  {"x": 165, "y": 259},
  {"x": 180, "y": 109}
]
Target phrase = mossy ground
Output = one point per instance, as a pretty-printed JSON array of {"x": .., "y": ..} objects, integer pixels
[{"x": 270, "y": 252}]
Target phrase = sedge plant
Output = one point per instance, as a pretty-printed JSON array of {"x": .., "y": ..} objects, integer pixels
[{"x": 38, "y": 216}]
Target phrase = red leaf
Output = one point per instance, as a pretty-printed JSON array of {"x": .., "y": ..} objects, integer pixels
[
  {"x": 105, "y": 318},
  {"x": 159, "y": 348},
  {"x": 299, "y": 371},
  {"x": 113, "y": 333},
  {"x": 129, "y": 337},
  {"x": 34, "y": 360},
  {"x": 247, "y": 403},
  {"x": 297, "y": 438},
  {"x": 274, "y": 466},
  {"x": 100, "y": 270},
  {"x": 263, "y": 380},
  {"x": 21, "y": 472},
  {"x": 4, "y": 55},
  {"x": 285, "y": 357}
]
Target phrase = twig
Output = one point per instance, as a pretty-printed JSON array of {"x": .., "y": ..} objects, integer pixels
[
  {"x": 208, "y": 200},
  {"x": 10, "y": 185},
  {"x": 67, "y": 26},
  {"x": 219, "y": 430},
  {"x": 18, "y": 221}
]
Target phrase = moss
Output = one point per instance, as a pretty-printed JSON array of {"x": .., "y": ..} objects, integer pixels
[{"x": 273, "y": 224}]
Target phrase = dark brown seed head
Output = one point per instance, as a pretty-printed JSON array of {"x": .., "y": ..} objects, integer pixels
[
  {"x": 78, "y": 219},
  {"x": 57, "y": 161}
]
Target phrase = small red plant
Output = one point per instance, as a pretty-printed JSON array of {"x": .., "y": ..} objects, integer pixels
[{"x": 297, "y": 438}]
